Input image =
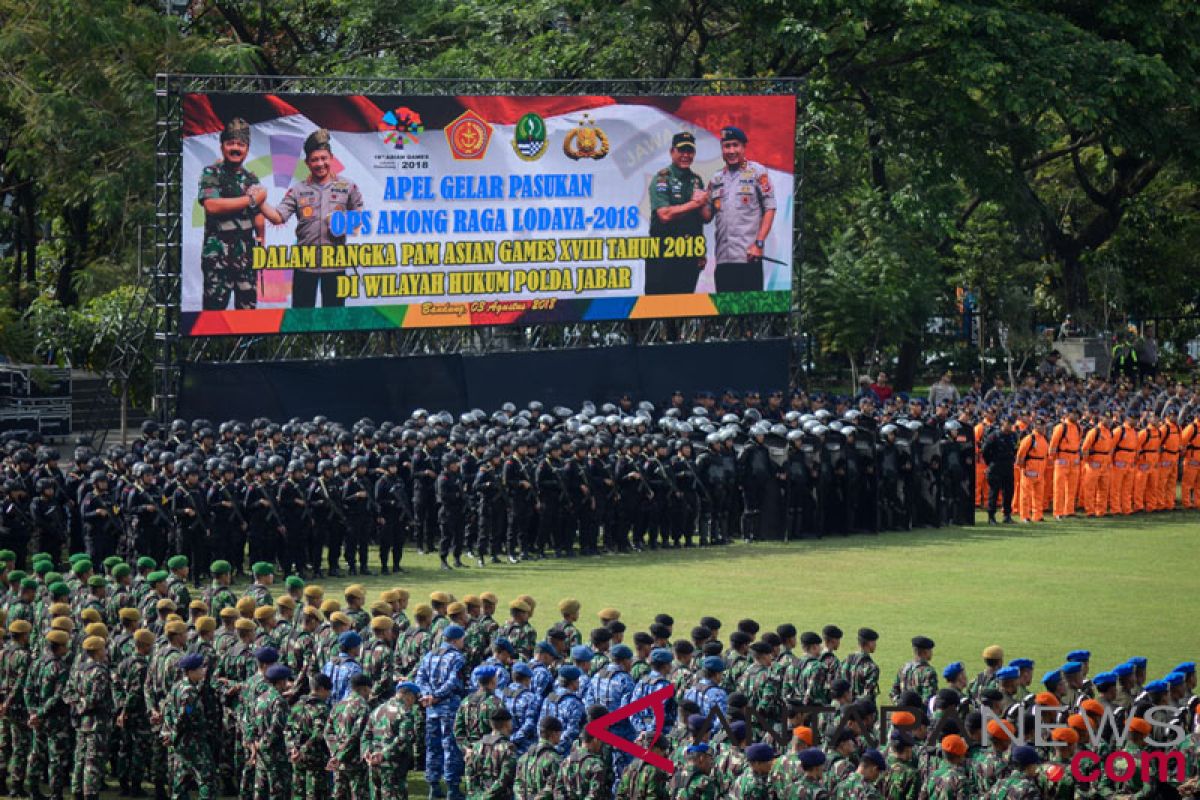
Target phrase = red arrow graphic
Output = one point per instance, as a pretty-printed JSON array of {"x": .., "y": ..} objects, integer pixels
[{"x": 656, "y": 700}]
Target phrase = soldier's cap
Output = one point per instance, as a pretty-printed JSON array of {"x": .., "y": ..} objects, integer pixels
[
  {"x": 953, "y": 670},
  {"x": 175, "y": 628},
  {"x": 456, "y": 607},
  {"x": 488, "y": 597},
  {"x": 568, "y": 606},
  {"x": 59, "y": 610},
  {"x": 355, "y": 591},
  {"x": 1104, "y": 679},
  {"x": 422, "y": 611},
  {"x": 156, "y": 577},
  {"x": 286, "y": 602},
  {"x": 190, "y": 662},
  {"x": 1046, "y": 699},
  {"x": 811, "y": 757},
  {"x": 760, "y": 751},
  {"x": 58, "y": 637},
  {"x": 109, "y": 562},
  {"x": 620, "y": 653},
  {"x": 698, "y": 749},
  {"x": 601, "y": 635},
  {"x": 1025, "y": 756},
  {"x": 559, "y": 635},
  {"x": 529, "y": 601},
  {"x": 1070, "y": 668},
  {"x": 317, "y": 140},
  {"x": 735, "y": 134},
  {"x": 453, "y": 633},
  {"x": 1175, "y": 678},
  {"x": 760, "y": 648},
  {"x": 7, "y": 555},
  {"x": 922, "y": 643},
  {"x": 93, "y": 643},
  {"x": 504, "y": 644},
  {"x": 228, "y": 612},
  {"x": 312, "y": 612},
  {"x": 522, "y": 670},
  {"x": 441, "y": 598},
  {"x": 30, "y": 583},
  {"x": 294, "y": 582},
  {"x": 737, "y": 731},
  {"x": 581, "y": 652},
  {"x": 1123, "y": 670},
  {"x": 177, "y": 562},
  {"x": 684, "y": 140},
  {"x": 803, "y": 733},
  {"x": 1079, "y": 656},
  {"x": 1000, "y": 730},
  {"x": 80, "y": 567},
  {"x": 16, "y": 576},
  {"x": 875, "y": 757},
  {"x": 545, "y": 647},
  {"x": 71, "y": 559},
  {"x": 1021, "y": 663},
  {"x": 205, "y": 624},
  {"x": 994, "y": 651},
  {"x": 499, "y": 715},
  {"x": 1138, "y": 661},
  {"x": 19, "y": 626},
  {"x": 519, "y": 605},
  {"x": 1051, "y": 679},
  {"x": 146, "y": 562},
  {"x": 266, "y": 655},
  {"x": 697, "y": 723},
  {"x": 278, "y": 672},
  {"x": 349, "y": 640},
  {"x": 96, "y": 629},
  {"x": 382, "y": 623},
  {"x": 954, "y": 745},
  {"x": 198, "y": 605},
  {"x": 1068, "y": 735},
  {"x": 236, "y": 130},
  {"x": 1092, "y": 707},
  {"x": 143, "y": 636},
  {"x": 121, "y": 570},
  {"x": 900, "y": 739},
  {"x": 245, "y": 605},
  {"x": 810, "y": 638},
  {"x": 390, "y": 596},
  {"x": 660, "y": 656},
  {"x": 313, "y": 591},
  {"x": 165, "y": 604},
  {"x": 713, "y": 664},
  {"x": 483, "y": 673},
  {"x": 243, "y": 624},
  {"x": 220, "y": 567},
  {"x": 1007, "y": 674},
  {"x": 903, "y": 718},
  {"x": 56, "y": 589},
  {"x": 360, "y": 680},
  {"x": 569, "y": 673},
  {"x": 97, "y": 582},
  {"x": 42, "y": 567},
  {"x": 785, "y": 631},
  {"x": 1139, "y": 725},
  {"x": 410, "y": 687},
  {"x": 471, "y": 601},
  {"x": 263, "y": 568}
]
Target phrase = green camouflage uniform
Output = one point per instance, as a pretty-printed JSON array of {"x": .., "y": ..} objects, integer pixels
[
  {"x": 234, "y": 668},
  {"x": 93, "y": 709},
  {"x": 163, "y": 673},
  {"x": 185, "y": 727},
  {"x": 901, "y": 780},
  {"x": 478, "y": 642},
  {"x": 681, "y": 677},
  {"x": 391, "y": 731},
  {"x": 949, "y": 782},
  {"x": 378, "y": 660},
  {"x": 752, "y": 786},
  {"x": 988, "y": 767},
  {"x": 228, "y": 240},
  {"x": 306, "y": 736},
  {"x": 809, "y": 681},
  {"x": 856, "y": 787},
  {"x": 522, "y": 637},
  {"x": 735, "y": 664},
  {"x": 981, "y": 683},
  {"x": 537, "y": 773},
  {"x": 490, "y": 768},
  {"x": 473, "y": 720},
  {"x": 218, "y": 597},
  {"x": 691, "y": 784},
  {"x": 863, "y": 675},
  {"x": 301, "y": 656},
  {"x": 728, "y": 765},
  {"x": 45, "y": 695},
  {"x": 759, "y": 685},
  {"x": 15, "y": 664},
  {"x": 643, "y": 781},
  {"x": 582, "y": 777},
  {"x": 344, "y": 735},
  {"x": 1019, "y": 787},
  {"x": 272, "y": 772},
  {"x": 916, "y": 676},
  {"x": 136, "y": 736},
  {"x": 360, "y": 618},
  {"x": 805, "y": 789},
  {"x": 786, "y": 772}
]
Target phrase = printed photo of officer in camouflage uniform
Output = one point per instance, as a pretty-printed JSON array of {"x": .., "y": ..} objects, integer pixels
[{"x": 232, "y": 198}]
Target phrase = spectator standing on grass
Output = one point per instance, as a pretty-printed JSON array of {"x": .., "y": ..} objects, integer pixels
[{"x": 944, "y": 390}]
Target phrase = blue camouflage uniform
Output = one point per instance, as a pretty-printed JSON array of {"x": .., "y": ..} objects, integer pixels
[
  {"x": 707, "y": 694},
  {"x": 612, "y": 688},
  {"x": 650, "y": 683},
  {"x": 440, "y": 676},
  {"x": 568, "y": 708},
  {"x": 341, "y": 670},
  {"x": 502, "y": 676}
]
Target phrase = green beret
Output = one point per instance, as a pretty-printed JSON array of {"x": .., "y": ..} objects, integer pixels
[
  {"x": 81, "y": 566},
  {"x": 52, "y": 577},
  {"x": 78, "y": 557},
  {"x": 121, "y": 570},
  {"x": 177, "y": 562},
  {"x": 97, "y": 581},
  {"x": 57, "y": 589},
  {"x": 7, "y": 555},
  {"x": 42, "y": 567},
  {"x": 41, "y": 557},
  {"x": 294, "y": 582},
  {"x": 146, "y": 562},
  {"x": 155, "y": 577},
  {"x": 28, "y": 583},
  {"x": 220, "y": 568},
  {"x": 263, "y": 568},
  {"x": 16, "y": 576},
  {"x": 111, "y": 562}
]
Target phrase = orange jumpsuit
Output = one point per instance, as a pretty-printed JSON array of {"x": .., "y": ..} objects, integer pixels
[
  {"x": 1097, "y": 451},
  {"x": 1143, "y": 486},
  {"x": 1064, "y": 450},
  {"x": 981, "y": 489},
  {"x": 1032, "y": 456},
  {"x": 1125, "y": 453},
  {"x": 1019, "y": 428},
  {"x": 1168, "y": 465},
  {"x": 1190, "y": 441}
]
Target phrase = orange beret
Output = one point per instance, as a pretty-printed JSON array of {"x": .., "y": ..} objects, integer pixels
[
  {"x": 955, "y": 745},
  {"x": 903, "y": 718},
  {"x": 1068, "y": 735},
  {"x": 1000, "y": 730},
  {"x": 1077, "y": 721},
  {"x": 804, "y": 734},
  {"x": 1092, "y": 707},
  {"x": 1140, "y": 726},
  {"x": 1047, "y": 699}
]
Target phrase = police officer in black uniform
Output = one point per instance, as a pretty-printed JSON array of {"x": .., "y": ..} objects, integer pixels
[
  {"x": 999, "y": 453},
  {"x": 451, "y": 501}
]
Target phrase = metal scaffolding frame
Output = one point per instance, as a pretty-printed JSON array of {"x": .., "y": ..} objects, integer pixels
[{"x": 160, "y": 313}]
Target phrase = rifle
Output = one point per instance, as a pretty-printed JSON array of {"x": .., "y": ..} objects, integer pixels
[
  {"x": 333, "y": 506},
  {"x": 642, "y": 482},
  {"x": 237, "y": 512},
  {"x": 401, "y": 498},
  {"x": 271, "y": 507},
  {"x": 696, "y": 476}
]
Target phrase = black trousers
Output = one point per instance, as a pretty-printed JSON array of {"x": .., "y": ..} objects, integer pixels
[
  {"x": 304, "y": 289},
  {"x": 672, "y": 275},
  {"x": 451, "y": 521},
  {"x": 1000, "y": 481},
  {"x": 735, "y": 277}
]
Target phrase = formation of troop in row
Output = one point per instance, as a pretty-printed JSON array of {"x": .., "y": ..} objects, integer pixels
[{"x": 281, "y": 692}]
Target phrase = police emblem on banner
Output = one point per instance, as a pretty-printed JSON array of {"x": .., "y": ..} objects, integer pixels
[
  {"x": 529, "y": 138},
  {"x": 468, "y": 136},
  {"x": 586, "y": 141}
]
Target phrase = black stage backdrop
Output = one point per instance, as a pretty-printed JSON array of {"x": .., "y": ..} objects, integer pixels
[{"x": 390, "y": 388}]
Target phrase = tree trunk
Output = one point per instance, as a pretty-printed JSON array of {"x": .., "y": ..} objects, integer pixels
[
  {"x": 76, "y": 219},
  {"x": 906, "y": 365},
  {"x": 1075, "y": 289}
]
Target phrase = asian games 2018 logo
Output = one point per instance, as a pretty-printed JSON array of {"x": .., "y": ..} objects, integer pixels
[{"x": 400, "y": 124}]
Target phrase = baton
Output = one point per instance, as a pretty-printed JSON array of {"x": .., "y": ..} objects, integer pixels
[{"x": 774, "y": 261}]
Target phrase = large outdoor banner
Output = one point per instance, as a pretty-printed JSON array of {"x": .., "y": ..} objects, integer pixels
[{"x": 339, "y": 212}]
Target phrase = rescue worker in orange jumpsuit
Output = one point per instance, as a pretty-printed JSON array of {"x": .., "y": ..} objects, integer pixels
[
  {"x": 981, "y": 429},
  {"x": 1125, "y": 456},
  {"x": 1064, "y": 451},
  {"x": 1168, "y": 464},
  {"x": 1149, "y": 441},
  {"x": 1032, "y": 456},
  {"x": 1096, "y": 450},
  {"x": 1190, "y": 442}
]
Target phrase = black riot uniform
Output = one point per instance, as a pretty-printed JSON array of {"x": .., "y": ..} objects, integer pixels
[
  {"x": 553, "y": 501},
  {"x": 579, "y": 490},
  {"x": 488, "y": 491},
  {"x": 191, "y": 522},
  {"x": 292, "y": 502},
  {"x": 227, "y": 522},
  {"x": 684, "y": 501},
  {"x": 451, "y": 499},
  {"x": 999, "y": 453},
  {"x": 100, "y": 515},
  {"x": 395, "y": 508},
  {"x": 656, "y": 522},
  {"x": 521, "y": 498},
  {"x": 358, "y": 498},
  {"x": 754, "y": 471},
  {"x": 425, "y": 474}
]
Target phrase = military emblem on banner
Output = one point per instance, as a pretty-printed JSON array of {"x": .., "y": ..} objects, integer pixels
[
  {"x": 586, "y": 140},
  {"x": 529, "y": 138},
  {"x": 468, "y": 136}
]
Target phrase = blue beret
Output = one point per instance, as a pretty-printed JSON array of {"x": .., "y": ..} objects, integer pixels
[
  {"x": 349, "y": 640},
  {"x": 1079, "y": 655},
  {"x": 1138, "y": 661},
  {"x": 581, "y": 652},
  {"x": 1025, "y": 756},
  {"x": 1175, "y": 678},
  {"x": 714, "y": 664},
  {"x": 696, "y": 749},
  {"x": 266, "y": 655},
  {"x": 545, "y": 647},
  {"x": 1104, "y": 679},
  {"x": 570, "y": 673},
  {"x": 875, "y": 757},
  {"x": 453, "y": 632},
  {"x": 1070, "y": 668},
  {"x": 522, "y": 669},
  {"x": 1157, "y": 686},
  {"x": 737, "y": 730},
  {"x": 1021, "y": 663},
  {"x": 481, "y": 674},
  {"x": 505, "y": 645},
  {"x": 812, "y": 757},
  {"x": 953, "y": 670},
  {"x": 661, "y": 655},
  {"x": 191, "y": 661},
  {"x": 1185, "y": 667},
  {"x": 1051, "y": 678},
  {"x": 1123, "y": 670},
  {"x": 279, "y": 672},
  {"x": 697, "y": 723},
  {"x": 408, "y": 686},
  {"x": 760, "y": 751},
  {"x": 1007, "y": 673},
  {"x": 620, "y": 652}
]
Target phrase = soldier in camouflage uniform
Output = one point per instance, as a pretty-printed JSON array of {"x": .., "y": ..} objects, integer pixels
[
  {"x": 15, "y": 662},
  {"x": 917, "y": 675},
  {"x": 93, "y": 708},
  {"x": 234, "y": 668},
  {"x": 471, "y": 723},
  {"x": 860, "y": 669},
  {"x": 302, "y": 656},
  {"x": 219, "y": 595},
  {"x": 163, "y": 673},
  {"x": 861, "y": 784},
  {"x": 990, "y": 765},
  {"x": 185, "y": 731},
  {"x": 693, "y": 782},
  {"x": 272, "y": 774},
  {"x": 378, "y": 658},
  {"x": 901, "y": 780},
  {"x": 811, "y": 784},
  {"x": 231, "y": 197},
  {"x": 808, "y": 680},
  {"x": 755, "y": 782},
  {"x": 538, "y": 768},
  {"x": 306, "y": 742},
  {"x": 344, "y": 737},
  {"x": 951, "y": 781},
  {"x": 518, "y": 631},
  {"x": 581, "y": 775},
  {"x": 1022, "y": 784},
  {"x": 760, "y": 687},
  {"x": 390, "y": 743},
  {"x": 49, "y": 716},
  {"x": 644, "y": 781},
  {"x": 133, "y": 717},
  {"x": 491, "y": 763}
]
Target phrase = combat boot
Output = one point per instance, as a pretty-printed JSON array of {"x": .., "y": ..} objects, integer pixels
[
  {"x": 384, "y": 570},
  {"x": 436, "y": 792},
  {"x": 479, "y": 562},
  {"x": 445, "y": 565},
  {"x": 458, "y": 562}
]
